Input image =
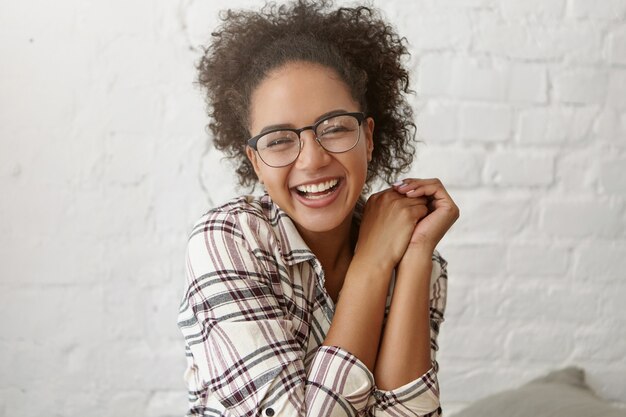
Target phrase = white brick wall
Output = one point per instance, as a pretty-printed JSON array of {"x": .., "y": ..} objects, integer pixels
[{"x": 104, "y": 167}]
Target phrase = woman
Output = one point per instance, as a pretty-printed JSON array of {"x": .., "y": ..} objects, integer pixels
[{"x": 307, "y": 300}]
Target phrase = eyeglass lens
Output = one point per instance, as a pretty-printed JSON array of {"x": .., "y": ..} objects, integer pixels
[{"x": 336, "y": 134}]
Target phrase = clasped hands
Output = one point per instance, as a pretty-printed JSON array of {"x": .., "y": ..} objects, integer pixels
[{"x": 410, "y": 217}]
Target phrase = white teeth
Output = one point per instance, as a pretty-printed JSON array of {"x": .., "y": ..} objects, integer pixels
[{"x": 317, "y": 188}]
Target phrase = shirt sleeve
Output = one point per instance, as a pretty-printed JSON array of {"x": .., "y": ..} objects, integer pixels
[
  {"x": 240, "y": 342},
  {"x": 419, "y": 397}
]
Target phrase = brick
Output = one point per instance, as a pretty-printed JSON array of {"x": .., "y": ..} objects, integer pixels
[
  {"x": 507, "y": 39},
  {"x": 488, "y": 298},
  {"x": 434, "y": 75},
  {"x": 60, "y": 326},
  {"x": 537, "y": 260},
  {"x": 436, "y": 31},
  {"x": 489, "y": 346},
  {"x": 552, "y": 344},
  {"x": 578, "y": 218},
  {"x": 175, "y": 117},
  {"x": 124, "y": 318},
  {"x": 599, "y": 344},
  {"x": 580, "y": 86},
  {"x": 580, "y": 44},
  {"x": 611, "y": 301},
  {"x": 461, "y": 301},
  {"x": 482, "y": 260},
  {"x": 517, "y": 39},
  {"x": 485, "y": 123},
  {"x": 123, "y": 117},
  {"x": 610, "y": 127},
  {"x": 617, "y": 90},
  {"x": 138, "y": 267},
  {"x": 465, "y": 4},
  {"x": 479, "y": 79},
  {"x": 489, "y": 217},
  {"x": 128, "y": 402},
  {"x": 610, "y": 10},
  {"x": 601, "y": 262},
  {"x": 529, "y": 84},
  {"x": 545, "y": 300},
  {"x": 454, "y": 167},
  {"x": 128, "y": 160},
  {"x": 617, "y": 46},
  {"x": 539, "y": 9},
  {"x": 160, "y": 308},
  {"x": 577, "y": 170},
  {"x": 468, "y": 382},
  {"x": 53, "y": 265},
  {"x": 166, "y": 403},
  {"x": 482, "y": 79},
  {"x": 467, "y": 301},
  {"x": 128, "y": 366},
  {"x": 514, "y": 168},
  {"x": 199, "y": 18},
  {"x": 438, "y": 122},
  {"x": 79, "y": 403},
  {"x": 555, "y": 125},
  {"x": 18, "y": 401},
  {"x": 612, "y": 174}
]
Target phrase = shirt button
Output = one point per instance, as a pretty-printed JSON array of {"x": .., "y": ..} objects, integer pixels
[{"x": 269, "y": 411}]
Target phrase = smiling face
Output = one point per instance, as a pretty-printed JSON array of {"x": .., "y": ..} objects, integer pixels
[{"x": 320, "y": 189}]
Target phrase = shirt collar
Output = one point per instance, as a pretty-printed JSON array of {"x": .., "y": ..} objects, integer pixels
[{"x": 292, "y": 247}]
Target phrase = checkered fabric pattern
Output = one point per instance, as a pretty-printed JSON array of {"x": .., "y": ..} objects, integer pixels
[{"x": 254, "y": 315}]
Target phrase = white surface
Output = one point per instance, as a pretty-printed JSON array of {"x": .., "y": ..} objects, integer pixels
[{"x": 104, "y": 167}]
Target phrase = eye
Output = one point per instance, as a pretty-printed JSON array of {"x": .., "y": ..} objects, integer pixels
[
  {"x": 337, "y": 126},
  {"x": 277, "y": 141},
  {"x": 334, "y": 129}
]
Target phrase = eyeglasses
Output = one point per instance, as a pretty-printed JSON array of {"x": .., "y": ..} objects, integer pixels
[{"x": 336, "y": 133}]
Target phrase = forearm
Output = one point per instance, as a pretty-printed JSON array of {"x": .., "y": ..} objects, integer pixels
[
  {"x": 404, "y": 353},
  {"x": 357, "y": 322}
]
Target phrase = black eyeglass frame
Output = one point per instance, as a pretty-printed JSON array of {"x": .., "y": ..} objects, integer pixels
[{"x": 359, "y": 116}]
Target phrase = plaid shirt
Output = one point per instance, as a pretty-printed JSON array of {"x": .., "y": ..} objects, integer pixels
[{"x": 255, "y": 313}]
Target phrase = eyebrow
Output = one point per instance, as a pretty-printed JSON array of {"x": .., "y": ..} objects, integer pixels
[{"x": 290, "y": 126}]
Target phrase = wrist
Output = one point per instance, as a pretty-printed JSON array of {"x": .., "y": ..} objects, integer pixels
[
  {"x": 383, "y": 267},
  {"x": 419, "y": 251},
  {"x": 416, "y": 262}
]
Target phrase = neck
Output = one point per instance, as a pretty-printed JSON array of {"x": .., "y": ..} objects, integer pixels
[{"x": 332, "y": 247}]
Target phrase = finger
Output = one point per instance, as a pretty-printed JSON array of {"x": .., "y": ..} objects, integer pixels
[
  {"x": 415, "y": 212},
  {"x": 409, "y": 184},
  {"x": 419, "y": 212},
  {"x": 435, "y": 190},
  {"x": 439, "y": 199}
]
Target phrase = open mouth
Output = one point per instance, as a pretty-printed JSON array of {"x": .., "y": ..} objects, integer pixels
[{"x": 317, "y": 191}]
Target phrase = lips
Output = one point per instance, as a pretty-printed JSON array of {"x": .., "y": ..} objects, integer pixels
[{"x": 318, "y": 194}]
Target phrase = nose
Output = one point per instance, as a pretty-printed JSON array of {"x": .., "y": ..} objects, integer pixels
[{"x": 312, "y": 155}]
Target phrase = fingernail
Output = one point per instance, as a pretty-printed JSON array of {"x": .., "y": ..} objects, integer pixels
[{"x": 398, "y": 183}]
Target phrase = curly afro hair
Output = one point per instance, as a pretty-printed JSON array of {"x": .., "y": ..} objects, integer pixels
[{"x": 355, "y": 42}]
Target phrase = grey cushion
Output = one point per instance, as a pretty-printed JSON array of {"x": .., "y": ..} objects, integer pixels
[{"x": 561, "y": 393}]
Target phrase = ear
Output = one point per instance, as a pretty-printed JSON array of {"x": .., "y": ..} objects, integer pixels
[
  {"x": 369, "y": 137},
  {"x": 253, "y": 157}
]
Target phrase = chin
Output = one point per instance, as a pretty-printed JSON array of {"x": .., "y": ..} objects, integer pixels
[{"x": 322, "y": 223}]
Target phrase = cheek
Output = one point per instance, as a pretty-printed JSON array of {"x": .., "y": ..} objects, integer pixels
[{"x": 275, "y": 178}]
